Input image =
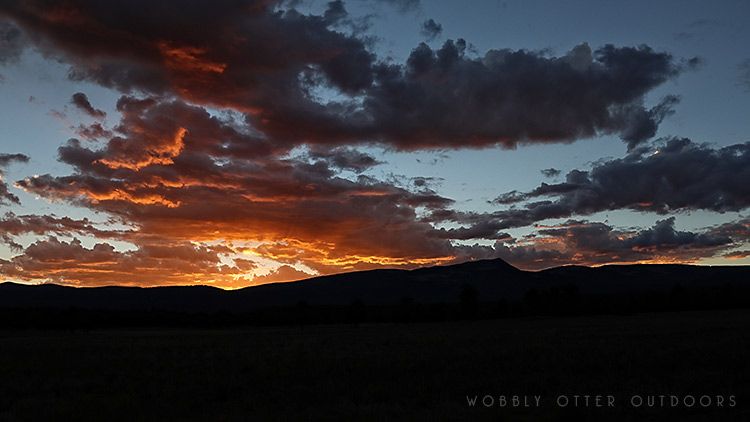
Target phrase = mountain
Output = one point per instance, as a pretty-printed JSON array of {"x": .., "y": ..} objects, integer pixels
[{"x": 491, "y": 280}]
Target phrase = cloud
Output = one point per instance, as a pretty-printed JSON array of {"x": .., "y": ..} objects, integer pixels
[
  {"x": 642, "y": 124},
  {"x": 282, "y": 274},
  {"x": 673, "y": 175},
  {"x": 5, "y": 160},
  {"x": 178, "y": 173},
  {"x": 738, "y": 254},
  {"x": 550, "y": 172},
  {"x": 115, "y": 46},
  {"x": 93, "y": 131},
  {"x": 12, "y": 43},
  {"x": 431, "y": 29},
  {"x": 593, "y": 243},
  {"x": 14, "y": 225},
  {"x": 346, "y": 158},
  {"x": 441, "y": 98},
  {"x": 72, "y": 263},
  {"x": 738, "y": 230},
  {"x": 81, "y": 102},
  {"x": 488, "y": 229}
]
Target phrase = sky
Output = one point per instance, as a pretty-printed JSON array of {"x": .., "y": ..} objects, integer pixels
[{"x": 242, "y": 142}]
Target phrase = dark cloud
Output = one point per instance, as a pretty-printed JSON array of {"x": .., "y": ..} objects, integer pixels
[
  {"x": 592, "y": 243},
  {"x": 6, "y": 196},
  {"x": 5, "y": 160},
  {"x": 81, "y": 101},
  {"x": 583, "y": 242},
  {"x": 12, "y": 226},
  {"x": 12, "y": 43},
  {"x": 431, "y": 29},
  {"x": 346, "y": 158},
  {"x": 141, "y": 46},
  {"x": 92, "y": 132},
  {"x": 488, "y": 229},
  {"x": 642, "y": 124},
  {"x": 425, "y": 182},
  {"x": 673, "y": 175},
  {"x": 737, "y": 254},
  {"x": 551, "y": 172},
  {"x": 335, "y": 12},
  {"x": 738, "y": 230},
  {"x": 663, "y": 234},
  {"x": 440, "y": 98}
]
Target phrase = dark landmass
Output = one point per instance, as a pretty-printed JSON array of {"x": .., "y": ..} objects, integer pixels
[
  {"x": 472, "y": 290},
  {"x": 384, "y": 345},
  {"x": 379, "y": 372}
]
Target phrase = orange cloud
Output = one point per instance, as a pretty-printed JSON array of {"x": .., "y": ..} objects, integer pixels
[
  {"x": 71, "y": 263},
  {"x": 188, "y": 59},
  {"x": 152, "y": 153}
]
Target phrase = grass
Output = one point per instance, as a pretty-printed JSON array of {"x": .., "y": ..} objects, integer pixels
[{"x": 380, "y": 371}]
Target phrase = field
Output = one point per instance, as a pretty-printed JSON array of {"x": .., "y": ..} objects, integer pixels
[{"x": 382, "y": 371}]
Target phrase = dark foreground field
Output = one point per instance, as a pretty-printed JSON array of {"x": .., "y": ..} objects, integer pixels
[{"x": 382, "y": 371}]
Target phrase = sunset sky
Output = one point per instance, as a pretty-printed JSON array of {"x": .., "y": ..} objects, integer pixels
[{"x": 238, "y": 142}]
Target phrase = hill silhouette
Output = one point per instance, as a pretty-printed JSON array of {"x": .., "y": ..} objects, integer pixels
[{"x": 488, "y": 281}]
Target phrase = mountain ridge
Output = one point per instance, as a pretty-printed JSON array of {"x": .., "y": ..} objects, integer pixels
[{"x": 492, "y": 280}]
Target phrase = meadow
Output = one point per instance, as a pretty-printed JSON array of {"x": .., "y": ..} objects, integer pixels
[{"x": 388, "y": 371}]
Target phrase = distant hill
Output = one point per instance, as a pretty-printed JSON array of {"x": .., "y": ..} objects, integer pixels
[{"x": 490, "y": 281}]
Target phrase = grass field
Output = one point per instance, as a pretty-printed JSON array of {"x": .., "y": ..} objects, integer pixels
[{"x": 380, "y": 372}]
